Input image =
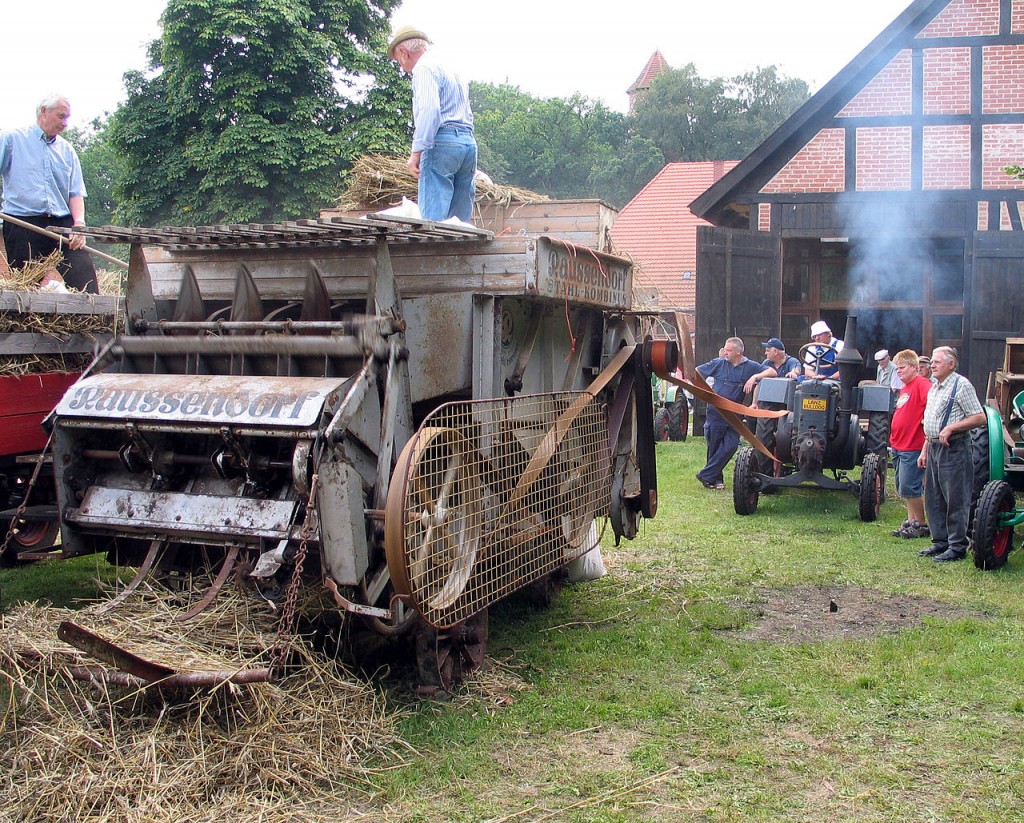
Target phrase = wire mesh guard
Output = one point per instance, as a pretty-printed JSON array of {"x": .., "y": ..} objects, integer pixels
[{"x": 491, "y": 495}]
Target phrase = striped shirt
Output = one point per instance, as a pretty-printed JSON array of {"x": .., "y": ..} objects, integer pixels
[
  {"x": 439, "y": 98},
  {"x": 965, "y": 405}
]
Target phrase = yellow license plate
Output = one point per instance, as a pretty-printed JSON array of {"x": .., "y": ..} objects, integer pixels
[{"x": 815, "y": 404}]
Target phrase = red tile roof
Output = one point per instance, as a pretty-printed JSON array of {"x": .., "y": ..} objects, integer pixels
[
  {"x": 655, "y": 66},
  {"x": 658, "y": 231}
]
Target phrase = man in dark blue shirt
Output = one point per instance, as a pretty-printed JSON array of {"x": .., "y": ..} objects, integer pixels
[{"x": 731, "y": 372}]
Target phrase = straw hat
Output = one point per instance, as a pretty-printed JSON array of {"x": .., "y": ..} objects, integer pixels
[{"x": 403, "y": 34}]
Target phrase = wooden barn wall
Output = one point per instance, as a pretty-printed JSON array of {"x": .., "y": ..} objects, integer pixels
[{"x": 996, "y": 301}]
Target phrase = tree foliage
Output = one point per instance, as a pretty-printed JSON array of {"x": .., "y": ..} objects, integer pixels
[
  {"x": 571, "y": 147},
  {"x": 101, "y": 168},
  {"x": 689, "y": 117},
  {"x": 251, "y": 109}
]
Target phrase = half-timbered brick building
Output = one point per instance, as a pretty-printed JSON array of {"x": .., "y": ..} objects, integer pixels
[{"x": 884, "y": 196}]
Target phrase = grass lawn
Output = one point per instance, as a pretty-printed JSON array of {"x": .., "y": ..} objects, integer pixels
[{"x": 796, "y": 664}]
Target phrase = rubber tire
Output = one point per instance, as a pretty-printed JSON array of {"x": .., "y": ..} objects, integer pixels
[
  {"x": 992, "y": 545},
  {"x": 876, "y": 439},
  {"x": 37, "y": 535},
  {"x": 744, "y": 485},
  {"x": 678, "y": 420},
  {"x": 872, "y": 481},
  {"x": 661, "y": 425},
  {"x": 979, "y": 459}
]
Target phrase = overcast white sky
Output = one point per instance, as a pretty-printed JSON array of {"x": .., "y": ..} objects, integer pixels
[{"x": 81, "y": 48}]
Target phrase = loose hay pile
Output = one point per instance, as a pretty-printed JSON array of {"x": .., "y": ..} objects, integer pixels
[
  {"x": 296, "y": 750},
  {"x": 377, "y": 181},
  {"x": 57, "y": 325}
]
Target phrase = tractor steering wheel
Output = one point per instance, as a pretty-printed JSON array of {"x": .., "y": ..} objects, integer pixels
[{"x": 817, "y": 351}]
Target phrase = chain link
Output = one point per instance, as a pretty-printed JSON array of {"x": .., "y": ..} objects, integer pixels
[{"x": 285, "y": 629}]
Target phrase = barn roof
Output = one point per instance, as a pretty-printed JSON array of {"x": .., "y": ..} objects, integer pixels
[
  {"x": 717, "y": 204},
  {"x": 657, "y": 231}
]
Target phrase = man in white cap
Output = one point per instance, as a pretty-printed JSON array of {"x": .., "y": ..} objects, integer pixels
[
  {"x": 443, "y": 155},
  {"x": 820, "y": 360},
  {"x": 886, "y": 374}
]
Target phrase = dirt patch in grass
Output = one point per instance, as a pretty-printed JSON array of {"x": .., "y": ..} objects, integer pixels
[{"x": 808, "y": 614}]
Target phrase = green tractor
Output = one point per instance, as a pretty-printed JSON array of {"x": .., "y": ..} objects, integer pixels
[
  {"x": 999, "y": 473},
  {"x": 672, "y": 406}
]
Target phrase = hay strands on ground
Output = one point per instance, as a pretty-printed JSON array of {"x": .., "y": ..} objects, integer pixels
[
  {"x": 141, "y": 673},
  {"x": 303, "y": 748}
]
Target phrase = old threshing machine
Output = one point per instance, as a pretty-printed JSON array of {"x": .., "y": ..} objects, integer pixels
[{"x": 419, "y": 418}]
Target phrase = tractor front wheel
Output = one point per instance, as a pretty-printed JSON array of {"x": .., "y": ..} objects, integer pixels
[
  {"x": 993, "y": 541},
  {"x": 745, "y": 488},
  {"x": 872, "y": 481}
]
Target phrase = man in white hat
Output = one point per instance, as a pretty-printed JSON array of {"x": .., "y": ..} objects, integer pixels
[
  {"x": 820, "y": 360},
  {"x": 443, "y": 156},
  {"x": 886, "y": 374}
]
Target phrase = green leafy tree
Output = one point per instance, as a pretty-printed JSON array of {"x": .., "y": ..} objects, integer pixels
[
  {"x": 689, "y": 117},
  {"x": 560, "y": 147},
  {"x": 101, "y": 167},
  {"x": 251, "y": 109}
]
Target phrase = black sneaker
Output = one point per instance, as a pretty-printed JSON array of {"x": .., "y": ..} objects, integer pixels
[
  {"x": 933, "y": 550},
  {"x": 950, "y": 556}
]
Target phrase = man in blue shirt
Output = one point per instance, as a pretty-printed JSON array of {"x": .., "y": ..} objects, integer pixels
[
  {"x": 731, "y": 372},
  {"x": 43, "y": 186},
  {"x": 443, "y": 155}
]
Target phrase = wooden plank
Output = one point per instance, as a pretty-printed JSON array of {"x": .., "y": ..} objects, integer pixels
[
  {"x": 13, "y": 344},
  {"x": 49, "y": 303},
  {"x": 24, "y": 401}
]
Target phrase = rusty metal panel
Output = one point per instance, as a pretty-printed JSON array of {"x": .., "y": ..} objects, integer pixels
[
  {"x": 439, "y": 336},
  {"x": 183, "y": 516},
  {"x": 576, "y": 274},
  {"x": 278, "y": 401},
  {"x": 342, "y": 525}
]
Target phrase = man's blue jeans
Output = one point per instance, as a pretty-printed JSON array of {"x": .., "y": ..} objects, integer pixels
[
  {"x": 722, "y": 442},
  {"x": 447, "y": 185}
]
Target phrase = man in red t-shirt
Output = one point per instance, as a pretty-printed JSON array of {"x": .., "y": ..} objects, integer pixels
[{"x": 906, "y": 438}]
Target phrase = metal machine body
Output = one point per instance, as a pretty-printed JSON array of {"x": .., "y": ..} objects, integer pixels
[{"x": 421, "y": 419}]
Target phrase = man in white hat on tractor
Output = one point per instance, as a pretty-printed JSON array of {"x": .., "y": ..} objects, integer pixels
[{"x": 820, "y": 360}]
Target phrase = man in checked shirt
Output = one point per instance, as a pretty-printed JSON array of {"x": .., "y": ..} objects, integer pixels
[{"x": 952, "y": 410}]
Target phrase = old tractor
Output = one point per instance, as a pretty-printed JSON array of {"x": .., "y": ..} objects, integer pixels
[
  {"x": 400, "y": 421},
  {"x": 831, "y": 425}
]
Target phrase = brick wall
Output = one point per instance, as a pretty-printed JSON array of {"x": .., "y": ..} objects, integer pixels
[
  {"x": 888, "y": 93},
  {"x": 1003, "y": 84},
  {"x": 946, "y": 157},
  {"x": 764, "y": 217},
  {"x": 883, "y": 159},
  {"x": 1002, "y": 145},
  {"x": 818, "y": 167},
  {"x": 1017, "y": 17},
  {"x": 947, "y": 81},
  {"x": 965, "y": 18}
]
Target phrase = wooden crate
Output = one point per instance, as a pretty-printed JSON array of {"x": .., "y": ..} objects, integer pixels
[
  {"x": 1008, "y": 385},
  {"x": 584, "y": 222},
  {"x": 1013, "y": 360}
]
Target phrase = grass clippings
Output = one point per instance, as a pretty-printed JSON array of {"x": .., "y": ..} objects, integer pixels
[
  {"x": 377, "y": 181},
  {"x": 298, "y": 749}
]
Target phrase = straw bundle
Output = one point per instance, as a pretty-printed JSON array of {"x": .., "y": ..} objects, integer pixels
[
  {"x": 377, "y": 181},
  {"x": 27, "y": 280},
  {"x": 299, "y": 749}
]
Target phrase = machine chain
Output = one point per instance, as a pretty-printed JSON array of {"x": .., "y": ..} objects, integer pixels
[{"x": 285, "y": 636}]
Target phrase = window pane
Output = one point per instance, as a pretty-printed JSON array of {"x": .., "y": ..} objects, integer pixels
[{"x": 947, "y": 327}]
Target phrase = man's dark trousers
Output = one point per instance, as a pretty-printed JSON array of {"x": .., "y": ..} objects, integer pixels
[{"x": 948, "y": 487}]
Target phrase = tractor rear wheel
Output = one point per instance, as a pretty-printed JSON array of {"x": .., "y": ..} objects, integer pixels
[
  {"x": 678, "y": 419},
  {"x": 992, "y": 542},
  {"x": 661, "y": 426},
  {"x": 744, "y": 484},
  {"x": 872, "y": 481}
]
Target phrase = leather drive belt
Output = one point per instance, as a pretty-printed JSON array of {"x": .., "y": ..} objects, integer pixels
[{"x": 698, "y": 386}]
